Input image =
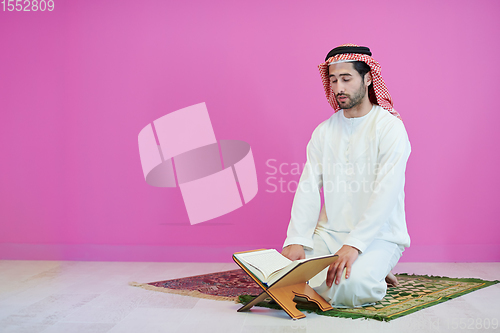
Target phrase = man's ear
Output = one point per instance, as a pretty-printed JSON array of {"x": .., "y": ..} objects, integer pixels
[{"x": 368, "y": 78}]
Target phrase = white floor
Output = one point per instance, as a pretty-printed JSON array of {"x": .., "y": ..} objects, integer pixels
[{"x": 72, "y": 297}]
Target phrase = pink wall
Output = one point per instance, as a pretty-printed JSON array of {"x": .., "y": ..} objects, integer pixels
[{"x": 79, "y": 83}]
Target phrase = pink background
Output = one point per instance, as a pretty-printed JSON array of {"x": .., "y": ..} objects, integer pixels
[{"x": 79, "y": 83}]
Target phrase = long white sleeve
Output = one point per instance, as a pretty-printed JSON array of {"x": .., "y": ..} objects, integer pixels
[
  {"x": 307, "y": 201},
  {"x": 360, "y": 163},
  {"x": 394, "y": 150}
]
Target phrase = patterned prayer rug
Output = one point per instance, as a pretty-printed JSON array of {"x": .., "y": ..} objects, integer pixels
[
  {"x": 220, "y": 286},
  {"x": 415, "y": 292}
]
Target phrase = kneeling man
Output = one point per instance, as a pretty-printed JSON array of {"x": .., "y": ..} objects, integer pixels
[{"x": 356, "y": 160}]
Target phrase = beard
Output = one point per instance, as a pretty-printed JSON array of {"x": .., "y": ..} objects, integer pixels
[{"x": 356, "y": 98}]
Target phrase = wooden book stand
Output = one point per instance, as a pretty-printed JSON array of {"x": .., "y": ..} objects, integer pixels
[{"x": 292, "y": 284}]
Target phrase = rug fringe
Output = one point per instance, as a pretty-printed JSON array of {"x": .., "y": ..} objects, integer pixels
[
  {"x": 192, "y": 293},
  {"x": 437, "y": 277}
]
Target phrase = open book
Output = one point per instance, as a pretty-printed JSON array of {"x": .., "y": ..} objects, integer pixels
[{"x": 269, "y": 265}]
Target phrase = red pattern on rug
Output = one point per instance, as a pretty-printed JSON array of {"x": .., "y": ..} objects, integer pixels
[{"x": 228, "y": 284}]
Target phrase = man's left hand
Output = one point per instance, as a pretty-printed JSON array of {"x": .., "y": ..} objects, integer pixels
[{"x": 347, "y": 256}]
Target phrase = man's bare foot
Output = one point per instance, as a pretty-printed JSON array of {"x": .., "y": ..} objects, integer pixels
[{"x": 391, "y": 280}]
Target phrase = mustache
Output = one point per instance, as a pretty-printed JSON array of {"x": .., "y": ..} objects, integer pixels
[{"x": 345, "y": 95}]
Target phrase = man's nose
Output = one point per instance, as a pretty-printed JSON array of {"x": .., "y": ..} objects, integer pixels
[{"x": 340, "y": 88}]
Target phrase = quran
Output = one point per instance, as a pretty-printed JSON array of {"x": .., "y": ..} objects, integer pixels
[
  {"x": 283, "y": 279},
  {"x": 268, "y": 266}
]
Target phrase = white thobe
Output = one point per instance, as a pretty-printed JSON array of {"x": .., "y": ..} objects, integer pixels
[{"x": 359, "y": 164}]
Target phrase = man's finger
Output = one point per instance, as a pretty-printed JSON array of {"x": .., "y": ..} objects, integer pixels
[
  {"x": 330, "y": 277},
  {"x": 348, "y": 270},
  {"x": 338, "y": 273}
]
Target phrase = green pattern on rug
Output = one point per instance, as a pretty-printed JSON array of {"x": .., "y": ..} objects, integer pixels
[{"x": 414, "y": 293}]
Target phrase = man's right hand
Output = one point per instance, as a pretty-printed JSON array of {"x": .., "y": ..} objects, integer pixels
[{"x": 294, "y": 252}]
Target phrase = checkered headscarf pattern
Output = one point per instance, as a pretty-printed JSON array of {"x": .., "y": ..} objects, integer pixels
[{"x": 380, "y": 95}]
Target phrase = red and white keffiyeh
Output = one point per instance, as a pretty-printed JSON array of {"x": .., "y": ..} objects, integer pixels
[{"x": 378, "y": 95}]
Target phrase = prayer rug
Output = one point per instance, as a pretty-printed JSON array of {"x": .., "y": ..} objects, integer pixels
[
  {"x": 220, "y": 286},
  {"x": 415, "y": 292}
]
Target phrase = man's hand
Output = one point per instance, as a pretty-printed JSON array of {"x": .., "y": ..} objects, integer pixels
[
  {"x": 347, "y": 256},
  {"x": 294, "y": 252}
]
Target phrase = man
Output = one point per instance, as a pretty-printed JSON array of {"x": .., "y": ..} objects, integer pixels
[{"x": 357, "y": 159}]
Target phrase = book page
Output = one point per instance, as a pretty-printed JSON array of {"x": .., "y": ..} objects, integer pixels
[
  {"x": 317, "y": 257},
  {"x": 281, "y": 273},
  {"x": 267, "y": 261}
]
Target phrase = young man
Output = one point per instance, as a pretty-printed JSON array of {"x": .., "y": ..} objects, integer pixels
[{"x": 358, "y": 159}]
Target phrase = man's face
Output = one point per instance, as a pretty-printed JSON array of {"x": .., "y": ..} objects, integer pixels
[{"x": 348, "y": 86}]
